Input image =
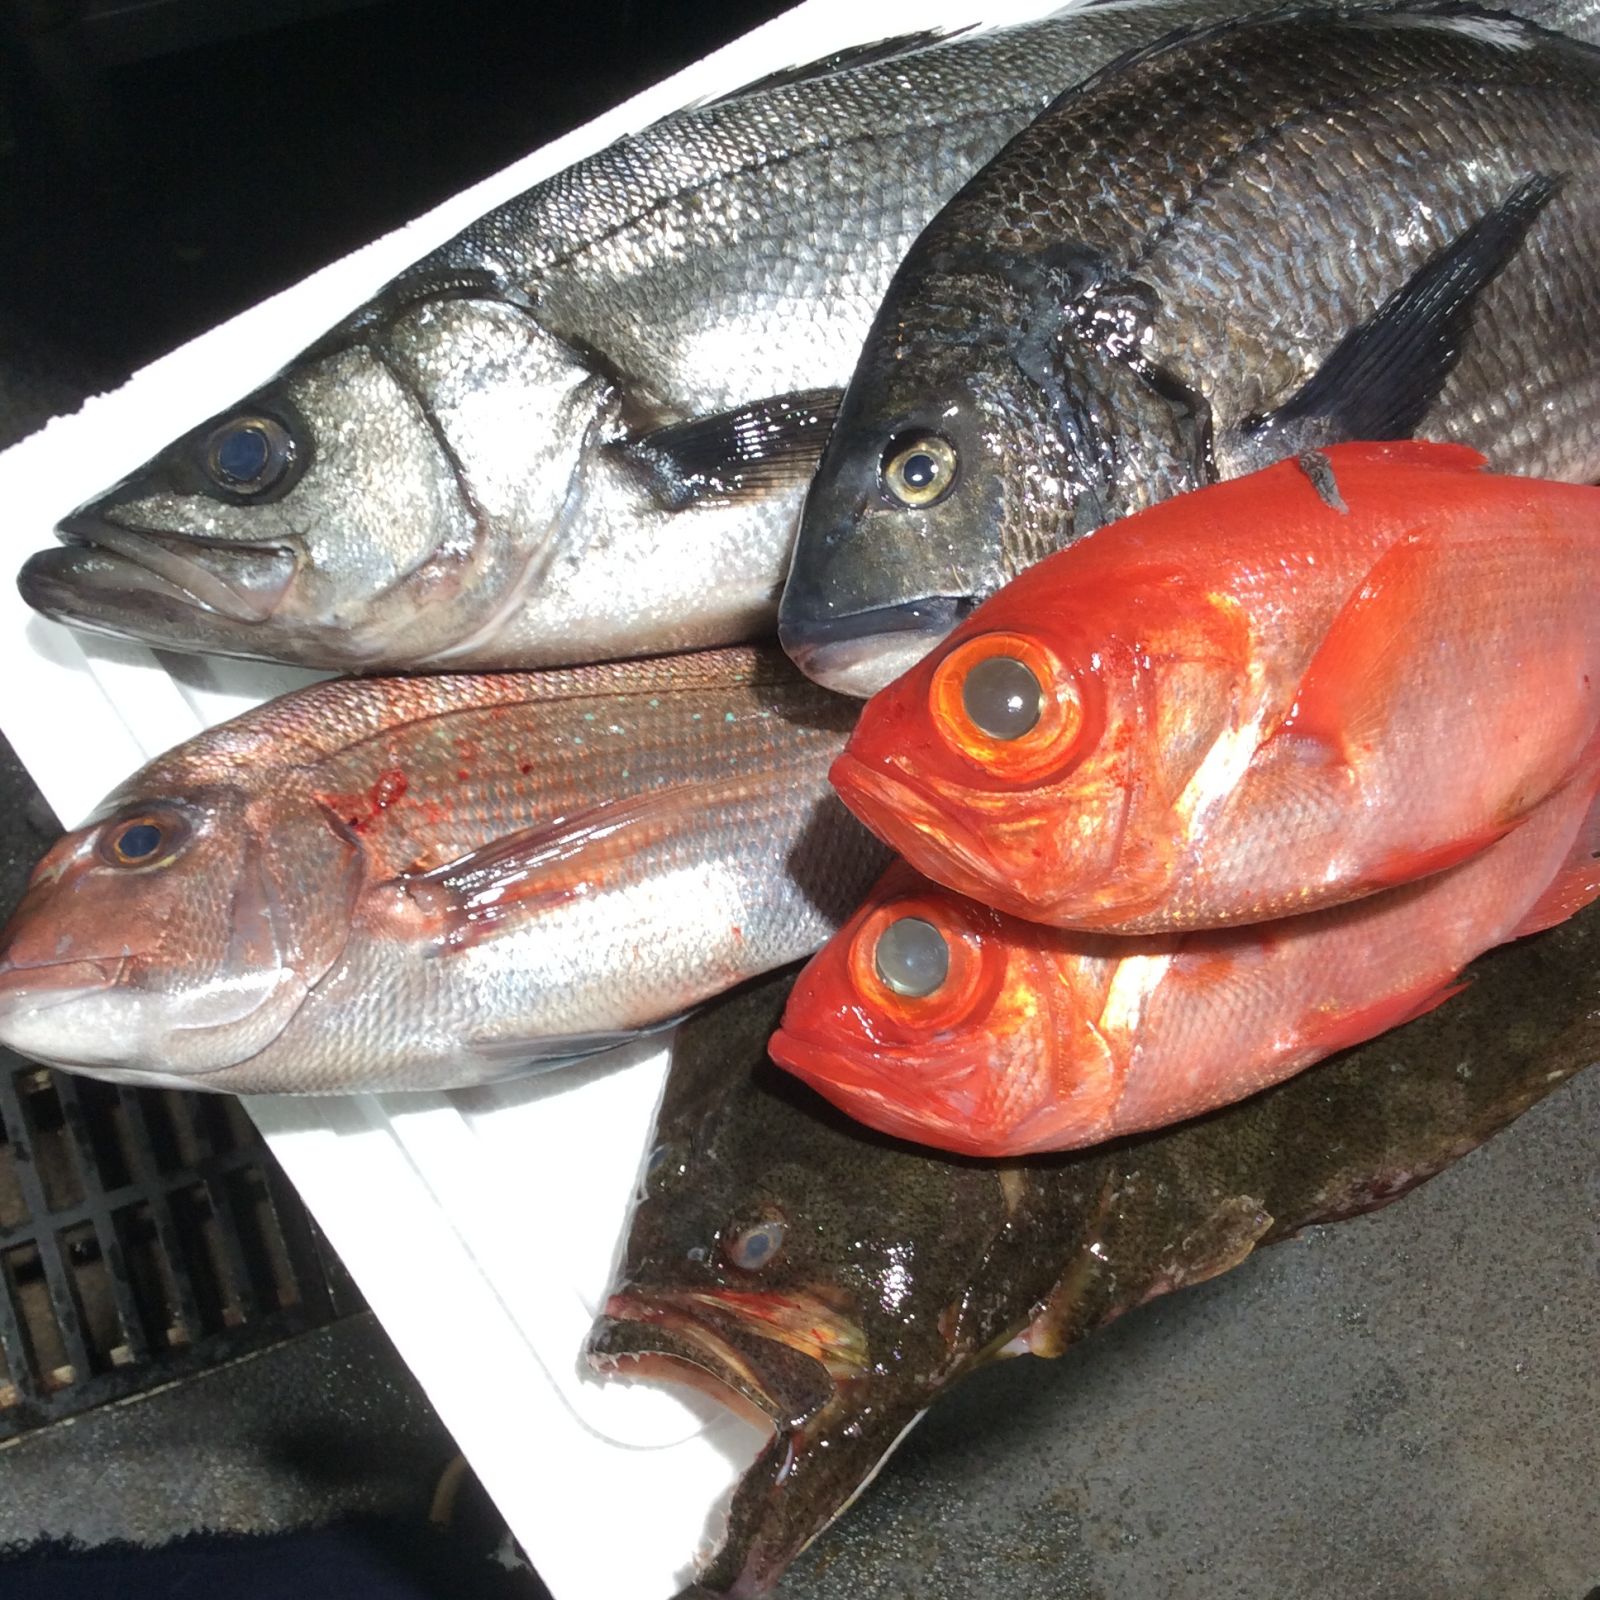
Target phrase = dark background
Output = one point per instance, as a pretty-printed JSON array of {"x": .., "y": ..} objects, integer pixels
[{"x": 166, "y": 163}]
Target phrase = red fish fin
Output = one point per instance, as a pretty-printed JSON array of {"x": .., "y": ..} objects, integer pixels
[
  {"x": 1406, "y": 866},
  {"x": 1408, "y": 453},
  {"x": 1344, "y": 698},
  {"x": 1337, "y": 1032},
  {"x": 475, "y": 896},
  {"x": 1573, "y": 887}
]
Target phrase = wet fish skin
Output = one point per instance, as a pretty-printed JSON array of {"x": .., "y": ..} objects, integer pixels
[
  {"x": 1036, "y": 1039},
  {"x": 1215, "y": 253},
  {"x": 432, "y": 882},
  {"x": 922, "y": 1268},
  {"x": 468, "y": 471},
  {"x": 1273, "y": 694}
]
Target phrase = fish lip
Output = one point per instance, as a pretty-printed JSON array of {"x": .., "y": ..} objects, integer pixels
[
  {"x": 704, "y": 1328},
  {"x": 103, "y": 574},
  {"x": 907, "y": 816},
  {"x": 860, "y": 652}
]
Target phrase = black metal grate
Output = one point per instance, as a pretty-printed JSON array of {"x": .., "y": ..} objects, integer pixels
[{"x": 144, "y": 1235}]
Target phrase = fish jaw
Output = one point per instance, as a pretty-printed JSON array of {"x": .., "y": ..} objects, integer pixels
[
  {"x": 861, "y": 652},
  {"x": 134, "y": 583},
  {"x": 913, "y": 822},
  {"x": 803, "y": 1367}
]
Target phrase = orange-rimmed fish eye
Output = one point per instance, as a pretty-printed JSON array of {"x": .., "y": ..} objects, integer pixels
[
  {"x": 141, "y": 842},
  {"x": 1006, "y": 702},
  {"x": 918, "y": 469},
  {"x": 919, "y": 964}
]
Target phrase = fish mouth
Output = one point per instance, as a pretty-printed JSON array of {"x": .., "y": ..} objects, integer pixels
[
  {"x": 783, "y": 1354},
  {"x": 860, "y": 652},
  {"x": 911, "y": 821},
  {"x": 140, "y": 583}
]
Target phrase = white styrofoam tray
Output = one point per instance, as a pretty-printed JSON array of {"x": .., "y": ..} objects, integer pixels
[{"x": 480, "y": 1225}]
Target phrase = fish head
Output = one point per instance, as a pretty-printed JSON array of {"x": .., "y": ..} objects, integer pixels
[
  {"x": 938, "y": 1020},
  {"x": 1042, "y": 759},
  {"x": 179, "y": 930},
  {"x": 380, "y": 500},
  {"x": 975, "y": 438},
  {"x": 805, "y": 1268}
]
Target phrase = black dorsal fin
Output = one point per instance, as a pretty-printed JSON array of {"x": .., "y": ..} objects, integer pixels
[{"x": 1379, "y": 381}]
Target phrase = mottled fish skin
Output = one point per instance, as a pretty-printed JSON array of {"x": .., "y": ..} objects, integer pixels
[
  {"x": 1263, "y": 236},
  {"x": 470, "y": 471},
  {"x": 432, "y": 882},
  {"x": 908, "y": 1270}
]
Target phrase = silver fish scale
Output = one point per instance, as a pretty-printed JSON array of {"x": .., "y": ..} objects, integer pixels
[{"x": 783, "y": 213}]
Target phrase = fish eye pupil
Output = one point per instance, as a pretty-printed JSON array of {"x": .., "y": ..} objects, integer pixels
[
  {"x": 243, "y": 452},
  {"x": 753, "y": 1248},
  {"x": 918, "y": 469},
  {"x": 1002, "y": 697},
  {"x": 140, "y": 841},
  {"x": 912, "y": 957}
]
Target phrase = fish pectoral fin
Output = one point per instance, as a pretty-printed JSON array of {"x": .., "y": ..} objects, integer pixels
[
  {"x": 766, "y": 445},
  {"x": 478, "y": 895},
  {"x": 1379, "y": 381},
  {"x": 558, "y": 1050},
  {"x": 1347, "y": 692}
]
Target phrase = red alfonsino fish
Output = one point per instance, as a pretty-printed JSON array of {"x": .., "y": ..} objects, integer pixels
[
  {"x": 1286, "y": 691},
  {"x": 939, "y": 1020}
]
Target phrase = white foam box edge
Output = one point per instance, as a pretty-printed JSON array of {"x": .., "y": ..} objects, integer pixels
[{"x": 481, "y": 1226}]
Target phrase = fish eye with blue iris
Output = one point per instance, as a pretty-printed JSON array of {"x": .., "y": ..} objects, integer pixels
[
  {"x": 141, "y": 841},
  {"x": 755, "y": 1246},
  {"x": 249, "y": 455}
]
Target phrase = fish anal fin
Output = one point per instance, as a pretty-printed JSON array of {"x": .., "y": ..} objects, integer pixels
[
  {"x": 1337, "y": 1030},
  {"x": 1573, "y": 887},
  {"x": 1380, "y": 380},
  {"x": 739, "y": 454},
  {"x": 478, "y": 895},
  {"x": 1346, "y": 694}
]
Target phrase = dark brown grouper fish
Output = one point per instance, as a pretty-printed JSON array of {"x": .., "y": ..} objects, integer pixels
[
  {"x": 1254, "y": 238},
  {"x": 840, "y": 1282}
]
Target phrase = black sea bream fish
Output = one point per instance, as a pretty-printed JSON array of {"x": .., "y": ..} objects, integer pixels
[
  {"x": 1255, "y": 238},
  {"x": 582, "y": 428}
]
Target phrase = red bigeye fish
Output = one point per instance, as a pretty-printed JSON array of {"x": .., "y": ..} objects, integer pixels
[
  {"x": 936, "y": 1019},
  {"x": 1342, "y": 673}
]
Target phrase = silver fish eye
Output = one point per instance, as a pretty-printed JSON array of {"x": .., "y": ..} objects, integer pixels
[
  {"x": 1002, "y": 697},
  {"x": 248, "y": 455},
  {"x": 912, "y": 957},
  {"x": 918, "y": 469},
  {"x": 752, "y": 1248}
]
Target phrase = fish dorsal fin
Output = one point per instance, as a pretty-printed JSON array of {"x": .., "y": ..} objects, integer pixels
[
  {"x": 1380, "y": 380},
  {"x": 746, "y": 452},
  {"x": 846, "y": 60},
  {"x": 483, "y": 894}
]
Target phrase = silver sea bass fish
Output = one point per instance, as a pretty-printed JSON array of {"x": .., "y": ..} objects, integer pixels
[
  {"x": 1257, "y": 238},
  {"x": 582, "y": 428}
]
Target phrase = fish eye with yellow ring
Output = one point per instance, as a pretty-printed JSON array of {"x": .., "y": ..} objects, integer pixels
[
  {"x": 919, "y": 469},
  {"x": 145, "y": 841},
  {"x": 1007, "y": 703}
]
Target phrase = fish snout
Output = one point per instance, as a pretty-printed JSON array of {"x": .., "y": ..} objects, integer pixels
[
  {"x": 860, "y": 652},
  {"x": 166, "y": 587}
]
